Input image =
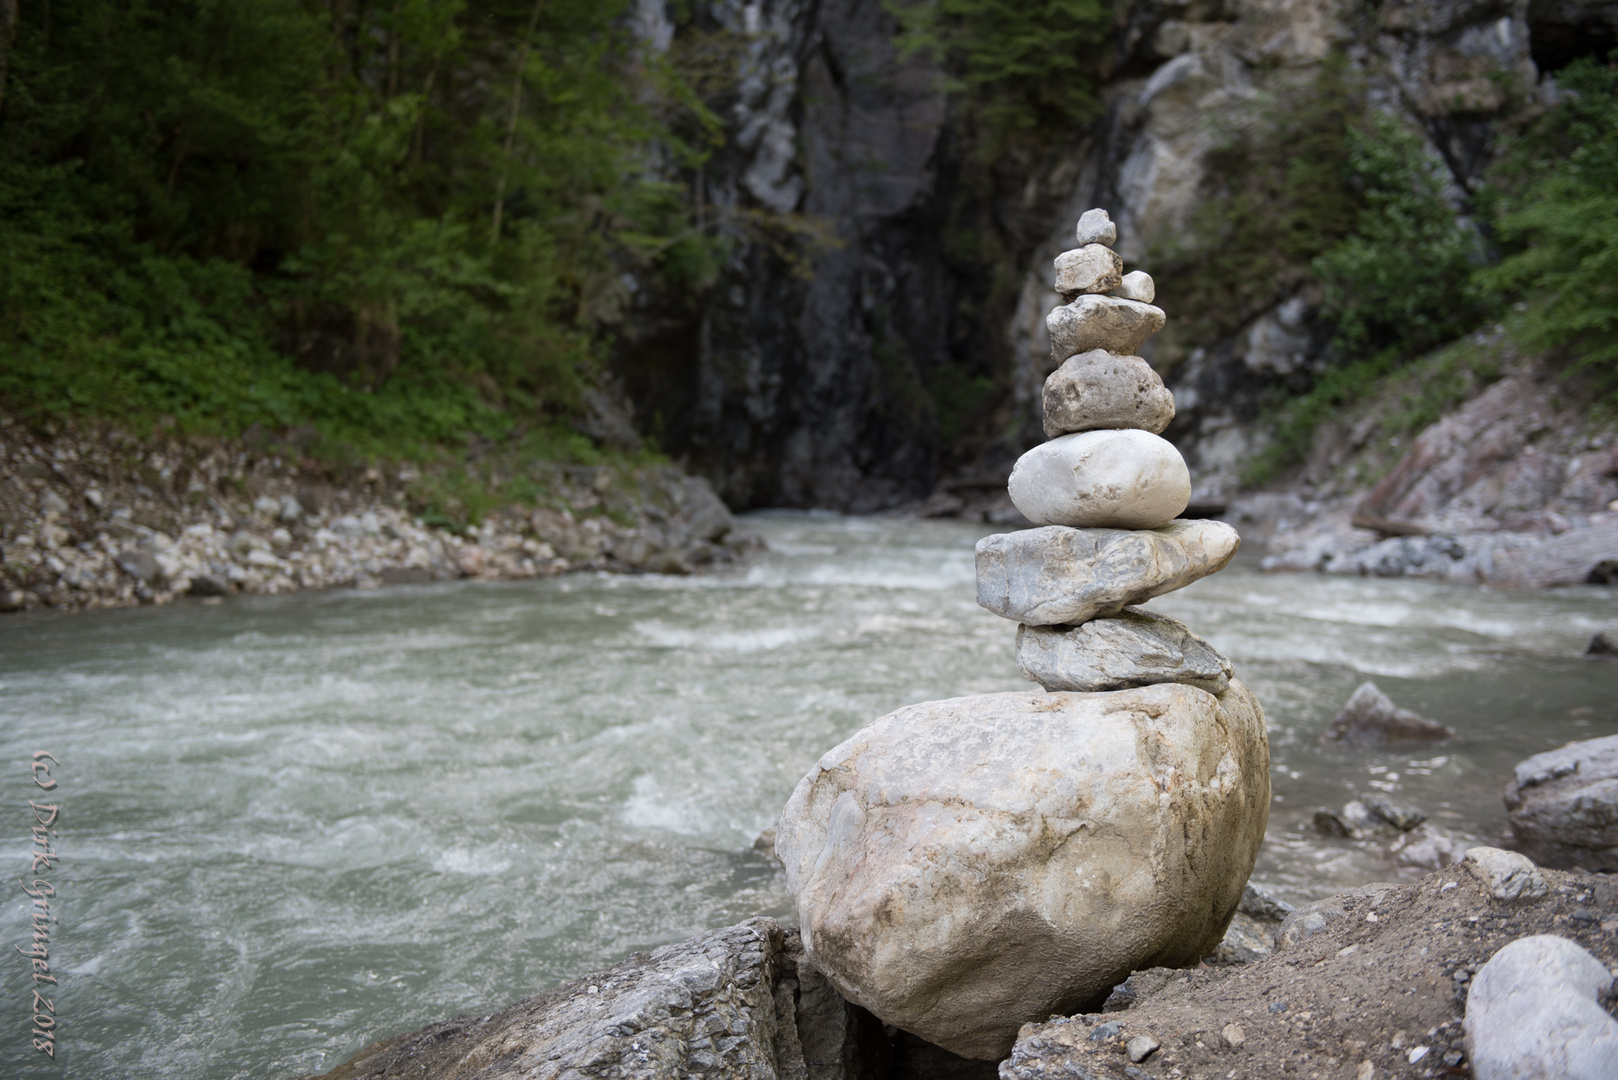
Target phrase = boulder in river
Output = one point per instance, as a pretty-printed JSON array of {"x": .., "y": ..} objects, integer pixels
[
  {"x": 963, "y": 867},
  {"x": 1564, "y": 805},
  {"x": 1370, "y": 718},
  {"x": 1603, "y": 643},
  {"x": 1132, "y": 648},
  {"x": 1058, "y": 576}
]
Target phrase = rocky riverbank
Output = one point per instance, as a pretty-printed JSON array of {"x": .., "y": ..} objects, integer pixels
[
  {"x": 1367, "y": 984},
  {"x": 94, "y": 517}
]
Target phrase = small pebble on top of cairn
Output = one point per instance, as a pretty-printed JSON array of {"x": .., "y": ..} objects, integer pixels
[{"x": 963, "y": 867}]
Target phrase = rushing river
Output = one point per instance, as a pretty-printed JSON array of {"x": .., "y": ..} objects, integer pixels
[{"x": 293, "y": 825}]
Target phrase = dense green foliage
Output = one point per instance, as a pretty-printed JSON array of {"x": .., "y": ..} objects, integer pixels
[
  {"x": 396, "y": 223},
  {"x": 1557, "y": 209},
  {"x": 1401, "y": 281},
  {"x": 1278, "y": 194}
]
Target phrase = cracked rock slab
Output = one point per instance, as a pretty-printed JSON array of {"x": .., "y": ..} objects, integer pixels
[
  {"x": 963, "y": 867},
  {"x": 1058, "y": 576},
  {"x": 1564, "y": 805},
  {"x": 1101, "y": 322},
  {"x": 1099, "y": 390},
  {"x": 1132, "y": 648}
]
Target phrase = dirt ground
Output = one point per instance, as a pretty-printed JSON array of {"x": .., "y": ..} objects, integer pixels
[{"x": 1379, "y": 992}]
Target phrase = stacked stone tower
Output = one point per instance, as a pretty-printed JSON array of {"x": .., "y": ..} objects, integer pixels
[
  {"x": 964, "y": 867},
  {"x": 1107, "y": 490}
]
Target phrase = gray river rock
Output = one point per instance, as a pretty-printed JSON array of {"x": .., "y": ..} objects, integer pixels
[
  {"x": 1535, "y": 1013},
  {"x": 1132, "y": 648},
  {"x": 1097, "y": 389},
  {"x": 1564, "y": 805},
  {"x": 1058, "y": 576},
  {"x": 934, "y": 854},
  {"x": 1101, "y": 322}
]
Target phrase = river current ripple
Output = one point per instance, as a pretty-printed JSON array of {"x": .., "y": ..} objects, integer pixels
[{"x": 293, "y": 825}]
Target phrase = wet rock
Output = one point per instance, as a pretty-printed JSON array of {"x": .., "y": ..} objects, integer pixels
[
  {"x": 1426, "y": 847},
  {"x": 1137, "y": 285},
  {"x": 1604, "y": 643},
  {"x": 1099, "y": 390},
  {"x": 1535, "y": 1013},
  {"x": 1101, "y": 322},
  {"x": 731, "y": 1004},
  {"x": 1096, "y": 227},
  {"x": 1370, "y": 718},
  {"x": 1506, "y": 874},
  {"x": 1401, "y": 817},
  {"x": 205, "y": 585},
  {"x": 1133, "y": 648},
  {"x": 931, "y": 855},
  {"x": 1093, "y": 268},
  {"x": 1563, "y": 805},
  {"x": 1102, "y": 479},
  {"x": 1059, "y": 576}
]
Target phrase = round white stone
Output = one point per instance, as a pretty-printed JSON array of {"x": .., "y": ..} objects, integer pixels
[{"x": 1102, "y": 479}]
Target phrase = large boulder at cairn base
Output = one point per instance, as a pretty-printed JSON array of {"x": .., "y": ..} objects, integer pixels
[
  {"x": 1564, "y": 805},
  {"x": 964, "y": 867},
  {"x": 1058, "y": 576}
]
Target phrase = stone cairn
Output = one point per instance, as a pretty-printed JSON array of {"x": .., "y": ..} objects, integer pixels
[{"x": 964, "y": 867}]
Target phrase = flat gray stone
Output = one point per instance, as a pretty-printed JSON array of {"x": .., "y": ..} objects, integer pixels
[
  {"x": 1097, "y": 390},
  {"x": 1119, "y": 479},
  {"x": 1137, "y": 285},
  {"x": 1058, "y": 576},
  {"x": 1564, "y": 805},
  {"x": 1101, "y": 322},
  {"x": 963, "y": 867},
  {"x": 1093, "y": 268},
  {"x": 1534, "y": 1013},
  {"x": 1096, "y": 227},
  {"x": 1132, "y": 648}
]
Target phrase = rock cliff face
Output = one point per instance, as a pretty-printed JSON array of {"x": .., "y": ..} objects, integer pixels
[{"x": 890, "y": 354}]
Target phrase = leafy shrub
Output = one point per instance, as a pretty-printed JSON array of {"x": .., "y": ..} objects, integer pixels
[
  {"x": 1556, "y": 200},
  {"x": 1401, "y": 281}
]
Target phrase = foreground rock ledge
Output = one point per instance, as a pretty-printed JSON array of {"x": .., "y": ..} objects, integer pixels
[
  {"x": 962, "y": 867},
  {"x": 1350, "y": 998}
]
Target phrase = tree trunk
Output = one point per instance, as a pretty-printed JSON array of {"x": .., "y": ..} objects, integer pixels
[{"x": 511, "y": 122}]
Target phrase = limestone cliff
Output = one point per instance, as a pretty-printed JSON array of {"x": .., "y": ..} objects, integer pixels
[{"x": 895, "y": 353}]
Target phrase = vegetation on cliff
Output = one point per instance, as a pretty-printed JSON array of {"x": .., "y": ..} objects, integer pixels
[{"x": 396, "y": 226}]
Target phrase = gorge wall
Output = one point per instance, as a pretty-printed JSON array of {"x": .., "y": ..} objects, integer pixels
[{"x": 905, "y": 342}]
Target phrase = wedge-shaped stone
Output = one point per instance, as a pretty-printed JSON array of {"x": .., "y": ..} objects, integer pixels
[
  {"x": 1101, "y": 322},
  {"x": 1102, "y": 480},
  {"x": 1099, "y": 390},
  {"x": 1132, "y": 648},
  {"x": 1093, "y": 268},
  {"x": 963, "y": 867},
  {"x": 1056, "y": 576}
]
